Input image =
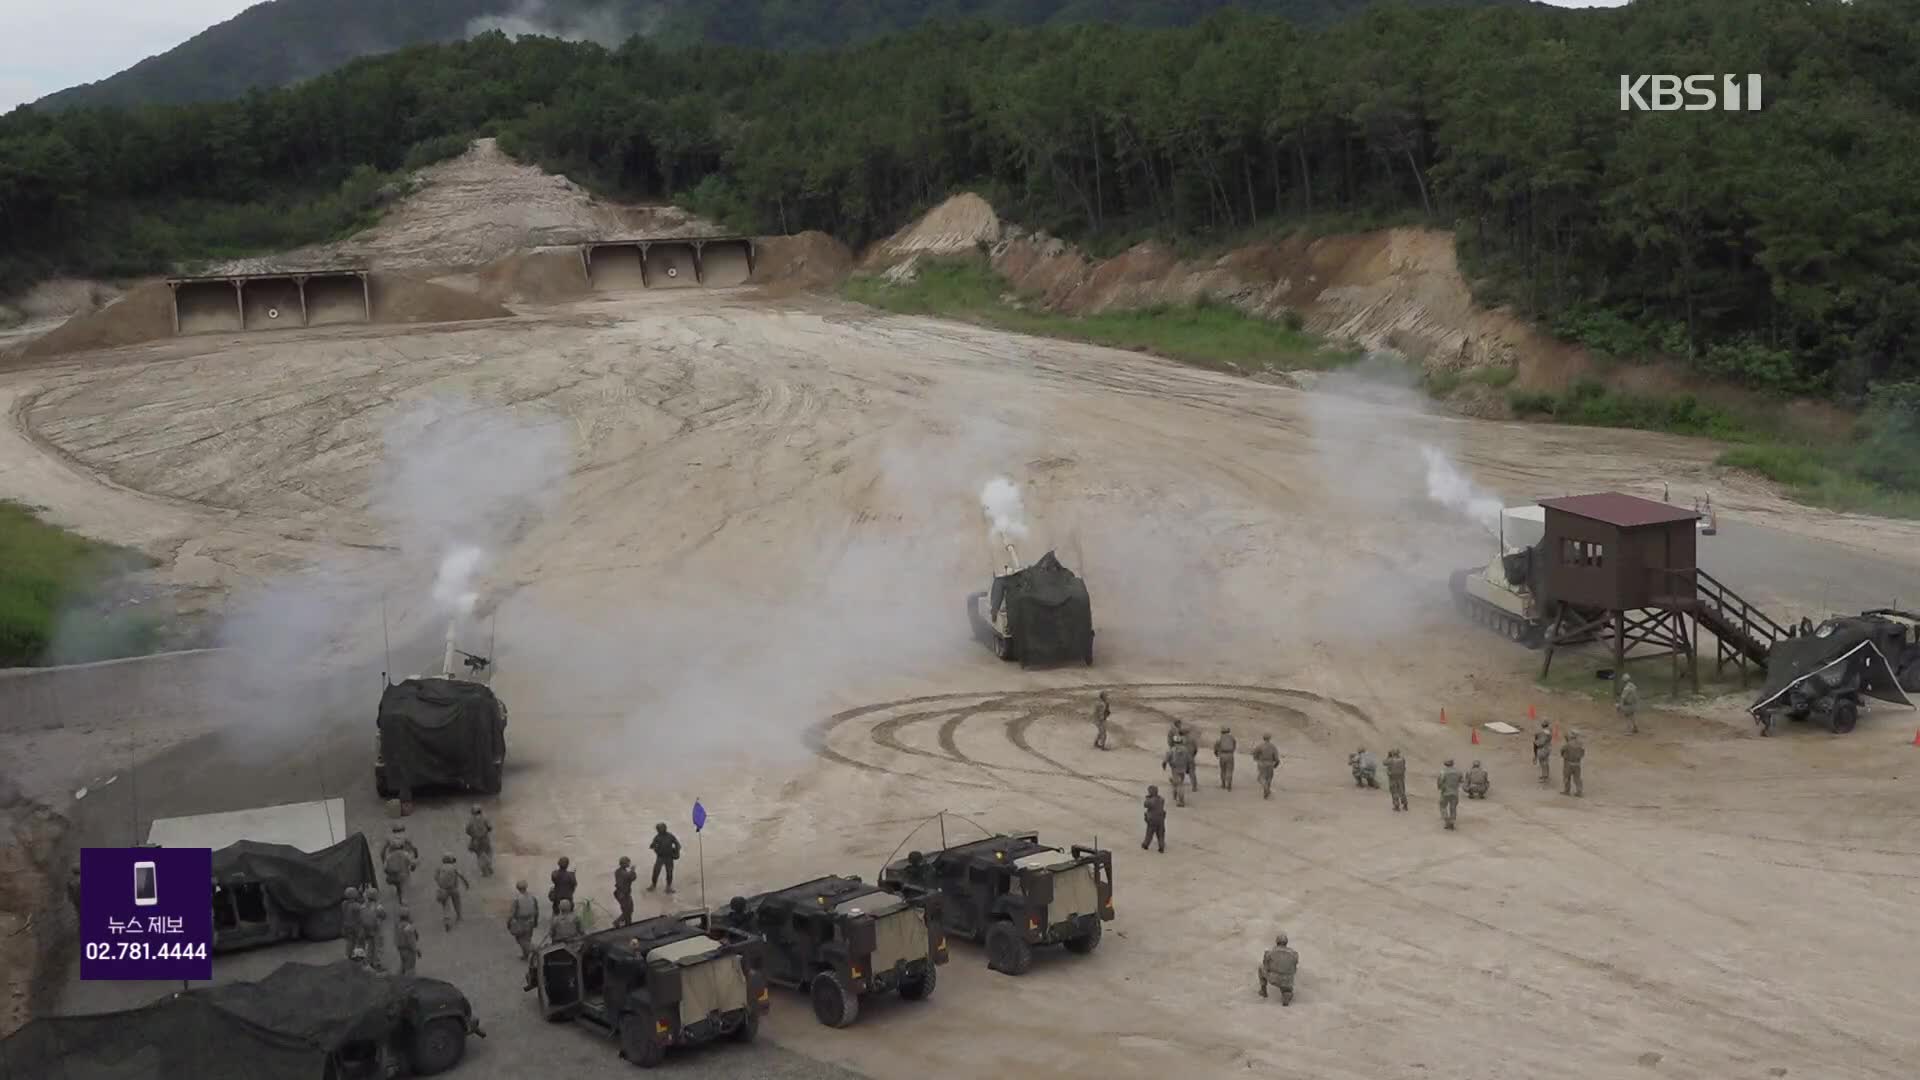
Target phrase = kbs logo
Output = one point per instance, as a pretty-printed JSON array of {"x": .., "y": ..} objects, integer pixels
[{"x": 1694, "y": 93}]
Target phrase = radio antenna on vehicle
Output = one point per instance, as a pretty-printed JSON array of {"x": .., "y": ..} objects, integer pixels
[{"x": 386, "y": 642}]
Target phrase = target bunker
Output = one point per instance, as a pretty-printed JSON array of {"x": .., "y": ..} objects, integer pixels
[
  {"x": 283, "y": 301},
  {"x": 669, "y": 263}
]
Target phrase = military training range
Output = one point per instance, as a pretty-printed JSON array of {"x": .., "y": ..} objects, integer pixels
[{"x": 601, "y": 646}]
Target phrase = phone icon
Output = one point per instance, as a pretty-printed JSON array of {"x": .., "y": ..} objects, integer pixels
[{"x": 146, "y": 889}]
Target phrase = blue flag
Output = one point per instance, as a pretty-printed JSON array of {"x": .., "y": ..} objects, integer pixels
[{"x": 699, "y": 816}]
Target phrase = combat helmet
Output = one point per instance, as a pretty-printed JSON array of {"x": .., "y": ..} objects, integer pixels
[
  {"x": 446, "y": 858},
  {"x": 1280, "y": 939},
  {"x": 353, "y": 893},
  {"x": 1449, "y": 763}
]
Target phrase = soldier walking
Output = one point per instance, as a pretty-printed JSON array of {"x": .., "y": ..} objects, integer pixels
[
  {"x": 1179, "y": 763},
  {"x": 1278, "y": 967},
  {"x": 350, "y": 920},
  {"x": 624, "y": 876},
  {"x": 480, "y": 840},
  {"x": 406, "y": 939},
  {"x": 523, "y": 918},
  {"x": 1543, "y": 752},
  {"x": 565, "y": 926},
  {"x": 372, "y": 915},
  {"x": 359, "y": 957},
  {"x": 398, "y": 857},
  {"x": 449, "y": 881},
  {"x": 564, "y": 882},
  {"x": 1478, "y": 782},
  {"x": 1266, "y": 758},
  {"x": 1449, "y": 793},
  {"x": 1397, "y": 778},
  {"x": 1176, "y": 731},
  {"x": 1629, "y": 703},
  {"x": 1223, "y": 748},
  {"x": 1156, "y": 819},
  {"x": 1571, "y": 755},
  {"x": 666, "y": 852},
  {"x": 1365, "y": 769},
  {"x": 1100, "y": 713}
]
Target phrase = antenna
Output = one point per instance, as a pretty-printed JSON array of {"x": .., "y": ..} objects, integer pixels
[
  {"x": 493, "y": 632},
  {"x": 385, "y": 641}
]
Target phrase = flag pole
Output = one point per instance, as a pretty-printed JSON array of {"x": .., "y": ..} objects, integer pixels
[{"x": 700, "y": 844}]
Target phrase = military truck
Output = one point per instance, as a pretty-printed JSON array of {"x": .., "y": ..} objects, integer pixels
[
  {"x": 669, "y": 981},
  {"x": 841, "y": 940},
  {"x": 1823, "y": 674},
  {"x": 1504, "y": 595},
  {"x": 1040, "y": 614},
  {"x": 1011, "y": 893}
]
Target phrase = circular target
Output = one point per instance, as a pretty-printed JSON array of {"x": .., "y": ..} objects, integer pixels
[
  {"x": 273, "y": 313},
  {"x": 673, "y": 271}
]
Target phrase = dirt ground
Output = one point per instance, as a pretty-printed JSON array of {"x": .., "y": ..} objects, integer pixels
[{"x": 749, "y": 590}]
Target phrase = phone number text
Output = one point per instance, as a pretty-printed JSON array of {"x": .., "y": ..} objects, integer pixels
[{"x": 143, "y": 950}]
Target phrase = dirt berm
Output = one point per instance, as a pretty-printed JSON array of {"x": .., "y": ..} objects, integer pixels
[{"x": 146, "y": 314}]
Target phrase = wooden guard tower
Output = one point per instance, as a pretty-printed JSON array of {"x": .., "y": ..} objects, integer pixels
[{"x": 1623, "y": 568}]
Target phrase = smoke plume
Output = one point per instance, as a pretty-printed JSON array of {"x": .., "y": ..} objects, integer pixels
[
  {"x": 1449, "y": 487},
  {"x": 1001, "y": 501}
]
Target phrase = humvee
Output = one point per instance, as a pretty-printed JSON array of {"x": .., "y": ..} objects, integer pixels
[
  {"x": 840, "y": 939},
  {"x": 672, "y": 980},
  {"x": 1011, "y": 892}
]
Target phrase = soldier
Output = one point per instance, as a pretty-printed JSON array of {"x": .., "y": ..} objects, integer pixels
[
  {"x": 359, "y": 957},
  {"x": 1156, "y": 819},
  {"x": 1449, "y": 793},
  {"x": 1223, "y": 748},
  {"x": 397, "y": 839},
  {"x": 1365, "y": 769},
  {"x": 565, "y": 926},
  {"x": 1266, "y": 758},
  {"x": 399, "y": 867},
  {"x": 666, "y": 852},
  {"x": 564, "y": 882},
  {"x": 350, "y": 920},
  {"x": 1629, "y": 703},
  {"x": 1176, "y": 731},
  {"x": 1179, "y": 763},
  {"x": 480, "y": 840},
  {"x": 624, "y": 876},
  {"x": 1478, "y": 782},
  {"x": 1397, "y": 778},
  {"x": 1570, "y": 757},
  {"x": 1279, "y": 966},
  {"x": 372, "y": 914},
  {"x": 449, "y": 881},
  {"x": 1100, "y": 712},
  {"x": 1543, "y": 751},
  {"x": 522, "y": 918},
  {"x": 406, "y": 939}
]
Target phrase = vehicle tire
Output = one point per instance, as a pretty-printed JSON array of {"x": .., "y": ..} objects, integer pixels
[
  {"x": 1845, "y": 715},
  {"x": 637, "y": 1043},
  {"x": 1008, "y": 952},
  {"x": 1088, "y": 939},
  {"x": 919, "y": 987},
  {"x": 749, "y": 1028},
  {"x": 834, "y": 1002},
  {"x": 438, "y": 1046}
]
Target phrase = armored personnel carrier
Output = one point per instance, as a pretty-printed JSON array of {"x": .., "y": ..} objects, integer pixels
[
  {"x": 1011, "y": 893},
  {"x": 841, "y": 941},
  {"x": 1037, "y": 615},
  {"x": 445, "y": 731},
  {"x": 1504, "y": 595}
]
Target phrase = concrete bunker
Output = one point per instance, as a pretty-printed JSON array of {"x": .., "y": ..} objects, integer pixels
[
  {"x": 270, "y": 301},
  {"x": 669, "y": 263}
]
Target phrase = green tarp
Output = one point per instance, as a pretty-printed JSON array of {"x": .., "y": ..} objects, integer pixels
[
  {"x": 442, "y": 732},
  {"x": 1049, "y": 615}
]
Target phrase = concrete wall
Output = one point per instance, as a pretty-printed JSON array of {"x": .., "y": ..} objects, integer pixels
[
  {"x": 670, "y": 266},
  {"x": 272, "y": 304},
  {"x": 161, "y": 688},
  {"x": 335, "y": 300},
  {"x": 617, "y": 268},
  {"x": 207, "y": 307},
  {"x": 725, "y": 264}
]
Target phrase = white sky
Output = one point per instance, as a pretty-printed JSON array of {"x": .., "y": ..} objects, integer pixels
[{"x": 48, "y": 45}]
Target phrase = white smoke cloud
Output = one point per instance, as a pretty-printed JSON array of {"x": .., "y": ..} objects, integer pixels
[
  {"x": 607, "y": 26},
  {"x": 1002, "y": 503},
  {"x": 453, "y": 587},
  {"x": 1451, "y": 488}
]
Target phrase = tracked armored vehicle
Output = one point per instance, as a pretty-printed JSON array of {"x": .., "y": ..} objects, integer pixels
[
  {"x": 661, "y": 983},
  {"x": 1037, "y": 615},
  {"x": 841, "y": 941},
  {"x": 445, "y": 732},
  {"x": 1505, "y": 594},
  {"x": 1011, "y": 893}
]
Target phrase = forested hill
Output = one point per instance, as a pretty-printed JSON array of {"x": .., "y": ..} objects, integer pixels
[{"x": 284, "y": 41}]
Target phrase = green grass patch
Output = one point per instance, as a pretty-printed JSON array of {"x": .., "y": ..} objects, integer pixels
[
  {"x": 1208, "y": 332},
  {"x": 1575, "y": 673},
  {"x": 53, "y": 596},
  {"x": 1823, "y": 476}
]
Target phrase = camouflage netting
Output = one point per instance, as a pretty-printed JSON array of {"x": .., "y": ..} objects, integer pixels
[
  {"x": 441, "y": 731},
  {"x": 284, "y": 1027},
  {"x": 1851, "y": 649},
  {"x": 301, "y": 883},
  {"x": 1048, "y": 612}
]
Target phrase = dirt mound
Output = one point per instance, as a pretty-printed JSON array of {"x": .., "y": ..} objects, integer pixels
[
  {"x": 551, "y": 276},
  {"x": 808, "y": 260},
  {"x": 60, "y": 297},
  {"x": 398, "y": 299},
  {"x": 143, "y": 314},
  {"x": 962, "y": 223},
  {"x": 478, "y": 208}
]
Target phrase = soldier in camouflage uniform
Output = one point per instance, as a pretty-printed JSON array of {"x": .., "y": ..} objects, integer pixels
[
  {"x": 372, "y": 915},
  {"x": 1478, "y": 781},
  {"x": 1397, "y": 778},
  {"x": 1543, "y": 751},
  {"x": 1266, "y": 758},
  {"x": 1223, "y": 750},
  {"x": 564, "y": 883},
  {"x": 1449, "y": 793},
  {"x": 1279, "y": 966},
  {"x": 624, "y": 876},
  {"x": 398, "y": 857},
  {"x": 350, "y": 920},
  {"x": 1156, "y": 808},
  {"x": 1571, "y": 755},
  {"x": 1365, "y": 769},
  {"x": 448, "y": 881},
  {"x": 406, "y": 940},
  {"x": 1101, "y": 710},
  {"x": 1179, "y": 762},
  {"x": 523, "y": 918},
  {"x": 1629, "y": 704},
  {"x": 480, "y": 840},
  {"x": 565, "y": 926},
  {"x": 360, "y": 958}
]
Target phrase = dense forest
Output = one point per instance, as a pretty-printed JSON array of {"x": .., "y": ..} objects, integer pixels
[
  {"x": 280, "y": 42},
  {"x": 1780, "y": 248}
]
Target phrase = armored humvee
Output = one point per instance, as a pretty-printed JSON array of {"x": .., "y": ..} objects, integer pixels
[
  {"x": 841, "y": 939},
  {"x": 1823, "y": 675},
  {"x": 672, "y": 980},
  {"x": 1012, "y": 892}
]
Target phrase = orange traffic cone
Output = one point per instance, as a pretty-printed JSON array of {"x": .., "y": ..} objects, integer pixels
[
  {"x": 1531, "y": 715},
  {"x": 1443, "y": 716},
  {"x": 1916, "y": 738},
  {"x": 1476, "y": 736}
]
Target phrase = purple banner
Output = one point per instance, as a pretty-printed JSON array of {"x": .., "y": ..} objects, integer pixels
[{"x": 146, "y": 913}]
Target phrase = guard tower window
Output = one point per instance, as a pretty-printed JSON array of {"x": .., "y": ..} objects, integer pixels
[{"x": 1582, "y": 553}]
